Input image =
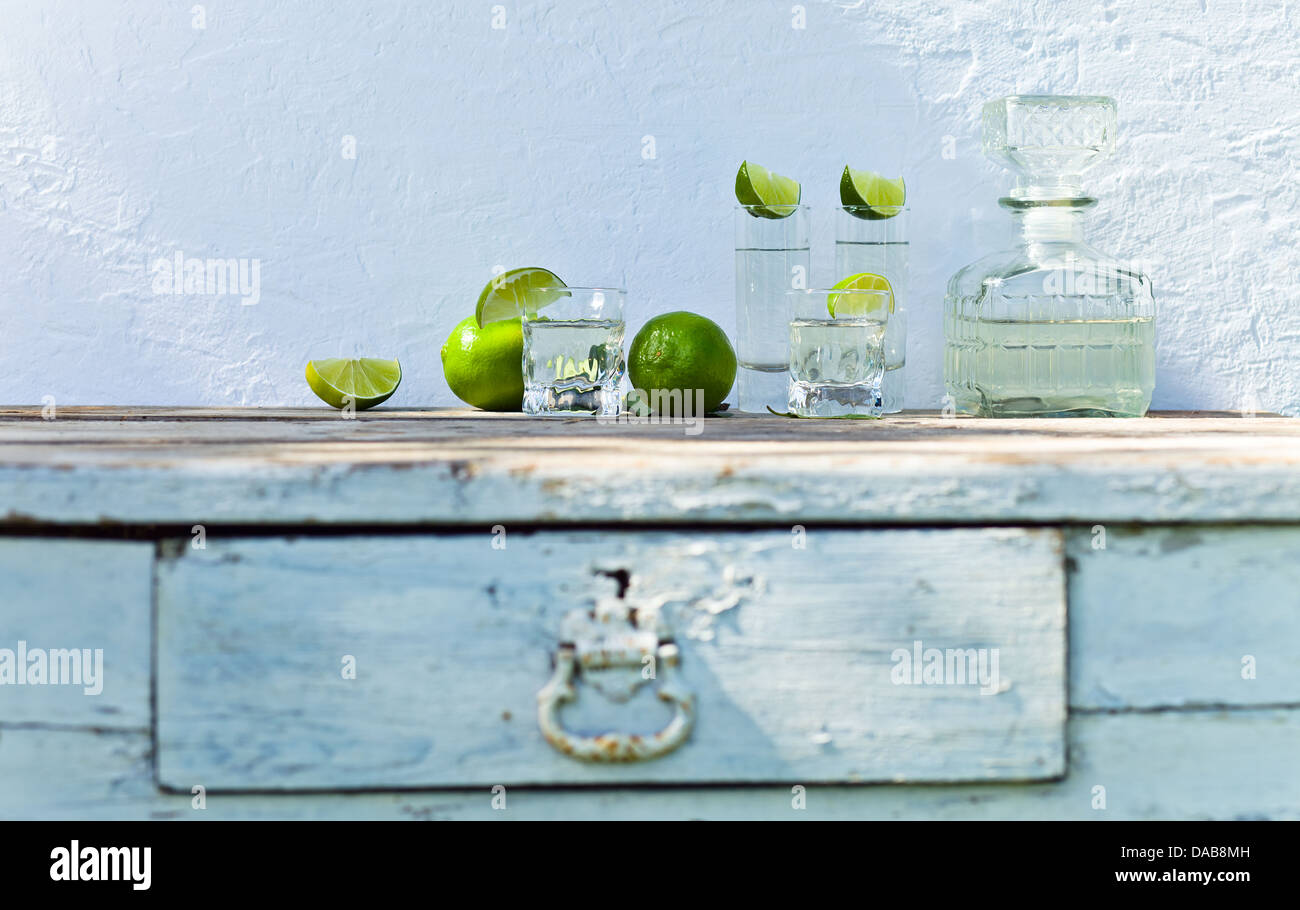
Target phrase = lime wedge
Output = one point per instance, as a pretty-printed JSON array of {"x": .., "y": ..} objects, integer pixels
[
  {"x": 506, "y": 295},
  {"x": 364, "y": 383},
  {"x": 768, "y": 195},
  {"x": 870, "y": 196},
  {"x": 842, "y": 305}
]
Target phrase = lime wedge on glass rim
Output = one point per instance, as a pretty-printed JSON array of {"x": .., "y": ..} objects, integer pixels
[
  {"x": 508, "y": 294},
  {"x": 868, "y": 195},
  {"x": 841, "y": 306},
  {"x": 765, "y": 194},
  {"x": 363, "y": 382}
]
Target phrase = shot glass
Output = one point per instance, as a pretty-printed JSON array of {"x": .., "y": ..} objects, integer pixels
[
  {"x": 875, "y": 240},
  {"x": 772, "y": 257},
  {"x": 573, "y": 352},
  {"x": 836, "y": 352}
]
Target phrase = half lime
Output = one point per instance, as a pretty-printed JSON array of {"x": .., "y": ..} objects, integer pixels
[{"x": 363, "y": 382}]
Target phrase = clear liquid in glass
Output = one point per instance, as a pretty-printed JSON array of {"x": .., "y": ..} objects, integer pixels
[
  {"x": 573, "y": 367},
  {"x": 881, "y": 248},
  {"x": 836, "y": 367},
  {"x": 772, "y": 257}
]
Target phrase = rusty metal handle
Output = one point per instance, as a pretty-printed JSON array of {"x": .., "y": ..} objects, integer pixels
[{"x": 615, "y": 747}]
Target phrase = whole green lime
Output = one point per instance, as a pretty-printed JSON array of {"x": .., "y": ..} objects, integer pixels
[
  {"x": 484, "y": 366},
  {"x": 682, "y": 351}
]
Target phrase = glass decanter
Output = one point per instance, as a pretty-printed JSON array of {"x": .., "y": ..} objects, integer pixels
[{"x": 1051, "y": 327}]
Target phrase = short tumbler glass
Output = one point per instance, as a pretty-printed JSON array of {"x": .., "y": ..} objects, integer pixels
[
  {"x": 573, "y": 351},
  {"x": 836, "y": 351}
]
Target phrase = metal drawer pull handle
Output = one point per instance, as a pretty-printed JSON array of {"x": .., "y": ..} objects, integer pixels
[
  {"x": 614, "y": 747},
  {"x": 619, "y": 649}
]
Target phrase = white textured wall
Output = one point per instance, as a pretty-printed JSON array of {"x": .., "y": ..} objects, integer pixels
[{"x": 127, "y": 134}]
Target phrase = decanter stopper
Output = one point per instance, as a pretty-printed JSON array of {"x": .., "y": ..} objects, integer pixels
[{"x": 1049, "y": 140}]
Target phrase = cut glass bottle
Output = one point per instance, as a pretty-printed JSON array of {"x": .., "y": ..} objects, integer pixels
[{"x": 1051, "y": 327}]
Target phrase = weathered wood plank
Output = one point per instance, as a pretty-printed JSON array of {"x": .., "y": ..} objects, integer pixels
[
  {"x": 1154, "y": 766},
  {"x": 91, "y": 596},
  {"x": 1184, "y": 616},
  {"x": 384, "y": 412},
  {"x": 436, "y": 468},
  {"x": 790, "y": 653}
]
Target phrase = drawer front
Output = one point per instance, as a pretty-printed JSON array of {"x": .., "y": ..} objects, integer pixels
[
  {"x": 74, "y": 633},
  {"x": 795, "y": 658},
  {"x": 1184, "y": 616}
]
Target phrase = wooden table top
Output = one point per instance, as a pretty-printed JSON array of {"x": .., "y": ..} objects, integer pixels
[{"x": 125, "y": 466}]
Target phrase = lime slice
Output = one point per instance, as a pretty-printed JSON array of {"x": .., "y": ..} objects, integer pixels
[
  {"x": 870, "y": 196},
  {"x": 364, "y": 383},
  {"x": 766, "y": 194},
  {"x": 842, "y": 305},
  {"x": 506, "y": 295}
]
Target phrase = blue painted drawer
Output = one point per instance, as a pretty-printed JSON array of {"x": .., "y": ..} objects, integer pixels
[{"x": 417, "y": 661}]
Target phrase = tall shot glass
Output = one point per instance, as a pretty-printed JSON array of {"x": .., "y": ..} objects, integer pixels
[
  {"x": 573, "y": 351},
  {"x": 875, "y": 240},
  {"x": 772, "y": 257}
]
